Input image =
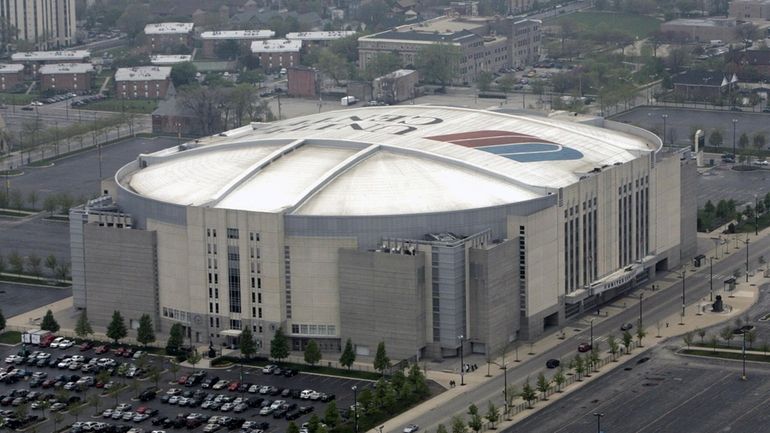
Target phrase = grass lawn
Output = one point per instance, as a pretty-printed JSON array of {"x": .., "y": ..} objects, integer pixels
[
  {"x": 598, "y": 22},
  {"x": 18, "y": 98},
  {"x": 143, "y": 106},
  {"x": 10, "y": 337}
]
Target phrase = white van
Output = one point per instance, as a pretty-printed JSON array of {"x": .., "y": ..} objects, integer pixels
[{"x": 348, "y": 100}]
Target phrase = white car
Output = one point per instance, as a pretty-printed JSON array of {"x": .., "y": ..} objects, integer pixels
[
  {"x": 123, "y": 407},
  {"x": 253, "y": 389},
  {"x": 411, "y": 428},
  {"x": 56, "y": 341},
  {"x": 65, "y": 363},
  {"x": 174, "y": 391},
  {"x": 66, "y": 344},
  {"x": 220, "y": 385},
  {"x": 268, "y": 369},
  {"x": 267, "y": 410},
  {"x": 315, "y": 395},
  {"x": 139, "y": 354},
  {"x": 107, "y": 413},
  {"x": 13, "y": 359},
  {"x": 304, "y": 395},
  {"x": 276, "y": 404}
]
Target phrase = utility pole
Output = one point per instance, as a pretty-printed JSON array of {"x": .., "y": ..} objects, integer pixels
[
  {"x": 684, "y": 274},
  {"x": 598, "y": 421},
  {"x": 711, "y": 279},
  {"x": 747, "y": 257},
  {"x": 462, "y": 361},
  {"x": 641, "y": 296}
]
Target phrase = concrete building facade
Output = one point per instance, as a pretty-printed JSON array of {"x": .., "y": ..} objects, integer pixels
[
  {"x": 486, "y": 44},
  {"x": 704, "y": 30},
  {"x": 749, "y": 9},
  {"x": 48, "y": 24},
  {"x": 408, "y": 224}
]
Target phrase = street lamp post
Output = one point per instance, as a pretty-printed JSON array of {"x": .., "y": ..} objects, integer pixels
[
  {"x": 747, "y": 258},
  {"x": 743, "y": 350},
  {"x": 355, "y": 408},
  {"x": 592, "y": 333},
  {"x": 641, "y": 297},
  {"x": 598, "y": 421},
  {"x": 756, "y": 217},
  {"x": 684, "y": 274},
  {"x": 664, "y": 116},
  {"x": 735, "y": 154},
  {"x": 462, "y": 361},
  {"x": 711, "y": 279}
]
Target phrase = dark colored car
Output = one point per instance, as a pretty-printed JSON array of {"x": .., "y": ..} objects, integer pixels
[
  {"x": 626, "y": 327},
  {"x": 584, "y": 347},
  {"x": 289, "y": 372},
  {"x": 552, "y": 363}
]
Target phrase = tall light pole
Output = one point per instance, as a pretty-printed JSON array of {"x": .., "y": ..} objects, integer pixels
[
  {"x": 747, "y": 257},
  {"x": 664, "y": 116},
  {"x": 641, "y": 296},
  {"x": 592, "y": 333},
  {"x": 355, "y": 408},
  {"x": 756, "y": 217},
  {"x": 462, "y": 361},
  {"x": 684, "y": 274},
  {"x": 735, "y": 154},
  {"x": 743, "y": 350},
  {"x": 711, "y": 279},
  {"x": 598, "y": 421}
]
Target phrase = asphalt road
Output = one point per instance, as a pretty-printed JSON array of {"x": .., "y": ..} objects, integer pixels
[
  {"x": 16, "y": 298},
  {"x": 657, "y": 307},
  {"x": 668, "y": 393}
]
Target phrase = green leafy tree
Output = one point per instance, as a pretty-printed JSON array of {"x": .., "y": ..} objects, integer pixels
[
  {"x": 145, "y": 334},
  {"x": 2, "y": 320},
  {"x": 458, "y": 425},
  {"x": 751, "y": 337},
  {"x": 94, "y": 401},
  {"x": 612, "y": 342},
  {"x": 493, "y": 415},
  {"x": 438, "y": 63},
  {"x": 83, "y": 327},
  {"x": 627, "y": 340},
  {"x": 701, "y": 333},
  {"x": 688, "y": 339},
  {"x": 348, "y": 356},
  {"x": 505, "y": 83},
  {"x": 381, "y": 64},
  {"x": 248, "y": 346},
  {"x": 543, "y": 385},
  {"x": 175, "y": 339},
  {"x": 475, "y": 423},
  {"x": 49, "y": 323},
  {"x": 473, "y": 410},
  {"x": 579, "y": 365},
  {"x": 484, "y": 81},
  {"x": 16, "y": 262},
  {"x": 116, "y": 330},
  {"x": 183, "y": 74},
  {"x": 559, "y": 378},
  {"x": 331, "y": 414},
  {"x": 227, "y": 49},
  {"x": 312, "y": 353},
  {"x": 333, "y": 65},
  {"x": 15, "y": 199},
  {"x": 727, "y": 334},
  {"x": 32, "y": 198},
  {"x": 313, "y": 424},
  {"x": 292, "y": 427},
  {"x": 33, "y": 265},
  {"x": 528, "y": 393},
  {"x": 279, "y": 346},
  {"x": 594, "y": 357},
  {"x": 50, "y": 263},
  {"x": 441, "y": 429},
  {"x": 194, "y": 357},
  {"x": 62, "y": 271},
  {"x": 381, "y": 360},
  {"x": 713, "y": 340}
]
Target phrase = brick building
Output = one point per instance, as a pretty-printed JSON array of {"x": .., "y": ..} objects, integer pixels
[
  {"x": 703, "y": 29},
  {"x": 210, "y": 40},
  {"x": 168, "y": 36},
  {"x": 144, "y": 82},
  {"x": 277, "y": 53},
  {"x": 749, "y": 9},
  {"x": 169, "y": 59},
  {"x": 302, "y": 82},
  {"x": 70, "y": 77},
  {"x": 32, "y": 60},
  {"x": 10, "y": 75}
]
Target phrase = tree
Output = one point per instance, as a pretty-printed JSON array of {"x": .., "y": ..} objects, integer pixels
[
  {"x": 194, "y": 357},
  {"x": 183, "y": 74},
  {"x": 49, "y": 323},
  {"x": 333, "y": 65},
  {"x": 348, "y": 356},
  {"x": 688, "y": 339},
  {"x": 116, "y": 330},
  {"x": 493, "y": 415},
  {"x": 227, "y": 49},
  {"x": 612, "y": 342},
  {"x": 438, "y": 63},
  {"x": 381, "y": 64},
  {"x": 94, "y": 401},
  {"x": 175, "y": 339},
  {"x": 473, "y": 410},
  {"x": 331, "y": 414},
  {"x": 484, "y": 80},
  {"x": 248, "y": 346},
  {"x": 640, "y": 334},
  {"x": 50, "y": 204},
  {"x": 441, "y": 429},
  {"x": 133, "y": 20},
  {"x": 751, "y": 337},
  {"x": 204, "y": 103},
  {"x": 381, "y": 360},
  {"x": 727, "y": 334},
  {"x": 475, "y": 423},
  {"x": 32, "y": 199},
  {"x": 528, "y": 394},
  {"x": 759, "y": 140},
  {"x": 627, "y": 340},
  {"x": 75, "y": 410},
  {"x": 594, "y": 357},
  {"x": 83, "y": 326},
  {"x": 701, "y": 333},
  {"x": 312, "y": 353},
  {"x": 145, "y": 334},
  {"x": 15, "y": 200},
  {"x": 578, "y": 364},
  {"x": 458, "y": 425},
  {"x": 559, "y": 378},
  {"x": 506, "y": 83},
  {"x": 279, "y": 346},
  {"x": 292, "y": 427},
  {"x": 16, "y": 262},
  {"x": 2, "y": 320},
  {"x": 50, "y": 263},
  {"x": 713, "y": 340},
  {"x": 543, "y": 385},
  {"x": 33, "y": 264}
]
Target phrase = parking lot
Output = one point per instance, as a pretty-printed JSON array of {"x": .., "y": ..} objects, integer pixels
[
  {"x": 17, "y": 298},
  {"x": 177, "y": 404}
]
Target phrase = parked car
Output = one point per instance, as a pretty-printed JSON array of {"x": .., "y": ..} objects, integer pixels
[
  {"x": 411, "y": 428},
  {"x": 552, "y": 363},
  {"x": 584, "y": 347}
]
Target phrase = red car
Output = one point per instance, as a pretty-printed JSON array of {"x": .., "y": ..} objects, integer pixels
[
  {"x": 141, "y": 409},
  {"x": 584, "y": 347},
  {"x": 119, "y": 351},
  {"x": 46, "y": 341},
  {"x": 85, "y": 346},
  {"x": 233, "y": 386},
  {"x": 102, "y": 349},
  {"x": 182, "y": 380}
]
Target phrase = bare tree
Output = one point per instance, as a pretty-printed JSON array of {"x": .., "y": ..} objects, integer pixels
[{"x": 205, "y": 102}]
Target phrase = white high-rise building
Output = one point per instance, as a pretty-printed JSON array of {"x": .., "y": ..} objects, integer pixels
[{"x": 48, "y": 24}]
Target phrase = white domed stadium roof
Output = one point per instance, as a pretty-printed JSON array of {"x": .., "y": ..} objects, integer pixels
[{"x": 382, "y": 161}]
